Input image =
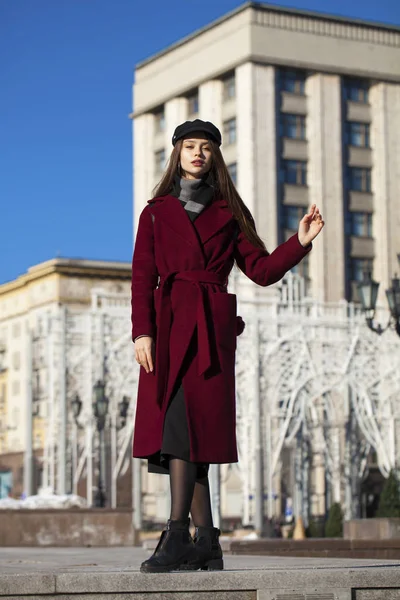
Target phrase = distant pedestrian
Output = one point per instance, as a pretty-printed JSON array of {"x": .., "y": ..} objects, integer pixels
[{"x": 184, "y": 326}]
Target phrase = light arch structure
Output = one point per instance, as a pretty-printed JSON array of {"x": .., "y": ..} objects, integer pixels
[{"x": 313, "y": 382}]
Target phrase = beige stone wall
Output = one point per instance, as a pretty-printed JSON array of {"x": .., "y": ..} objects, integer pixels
[{"x": 25, "y": 301}]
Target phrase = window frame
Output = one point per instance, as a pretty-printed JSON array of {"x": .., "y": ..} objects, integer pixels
[
  {"x": 299, "y": 125},
  {"x": 232, "y": 167},
  {"x": 361, "y": 89},
  {"x": 295, "y": 76},
  {"x": 365, "y": 266},
  {"x": 365, "y": 177},
  {"x": 157, "y": 162},
  {"x": 227, "y": 86},
  {"x": 362, "y": 229},
  {"x": 297, "y": 215},
  {"x": 159, "y": 120},
  {"x": 227, "y": 131},
  {"x": 193, "y": 98},
  {"x": 300, "y": 172},
  {"x": 364, "y": 134}
]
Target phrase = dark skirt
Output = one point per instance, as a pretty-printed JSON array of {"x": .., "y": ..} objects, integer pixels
[{"x": 176, "y": 439}]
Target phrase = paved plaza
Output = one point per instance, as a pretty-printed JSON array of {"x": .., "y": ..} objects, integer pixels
[{"x": 113, "y": 574}]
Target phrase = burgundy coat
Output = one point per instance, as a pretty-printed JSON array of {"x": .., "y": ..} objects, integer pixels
[{"x": 179, "y": 277}]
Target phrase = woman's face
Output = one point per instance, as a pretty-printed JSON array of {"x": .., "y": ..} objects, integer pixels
[{"x": 195, "y": 156}]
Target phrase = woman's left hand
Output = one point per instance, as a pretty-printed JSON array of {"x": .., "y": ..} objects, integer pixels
[{"x": 310, "y": 226}]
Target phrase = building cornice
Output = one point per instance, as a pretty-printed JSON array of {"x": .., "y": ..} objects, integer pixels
[
  {"x": 329, "y": 26},
  {"x": 302, "y": 21},
  {"x": 69, "y": 268}
]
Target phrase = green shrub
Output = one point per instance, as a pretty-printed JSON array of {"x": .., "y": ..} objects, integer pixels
[
  {"x": 389, "y": 501},
  {"x": 334, "y": 523},
  {"x": 315, "y": 529}
]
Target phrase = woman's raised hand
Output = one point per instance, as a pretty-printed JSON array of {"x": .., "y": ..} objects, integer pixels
[
  {"x": 310, "y": 226},
  {"x": 144, "y": 352}
]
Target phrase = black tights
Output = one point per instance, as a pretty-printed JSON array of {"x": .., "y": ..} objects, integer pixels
[{"x": 188, "y": 493}]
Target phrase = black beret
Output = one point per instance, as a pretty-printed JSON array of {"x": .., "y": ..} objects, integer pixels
[{"x": 206, "y": 127}]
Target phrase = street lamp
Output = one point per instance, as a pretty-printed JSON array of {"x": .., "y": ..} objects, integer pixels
[
  {"x": 393, "y": 297},
  {"x": 100, "y": 408},
  {"x": 368, "y": 294},
  {"x": 123, "y": 407}
]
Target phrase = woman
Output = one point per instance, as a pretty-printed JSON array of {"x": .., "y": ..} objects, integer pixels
[{"x": 184, "y": 326}]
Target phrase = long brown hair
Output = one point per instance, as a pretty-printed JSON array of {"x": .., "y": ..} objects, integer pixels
[{"x": 224, "y": 185}]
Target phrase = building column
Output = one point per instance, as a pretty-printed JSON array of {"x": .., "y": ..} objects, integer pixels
[
  {"x": 210, "y": 102},
  {"x": 27, "y": 378},
  {"x": 175, "y": 114},
  {"x": 143, "y": 164},
  {"x": 325, "y": 184},
  {"x": 256, "y": 147},
  {"x": 385, "y": 112}
]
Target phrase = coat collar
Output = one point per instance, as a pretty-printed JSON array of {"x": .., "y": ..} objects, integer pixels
[{"x": 211, "y": 220}]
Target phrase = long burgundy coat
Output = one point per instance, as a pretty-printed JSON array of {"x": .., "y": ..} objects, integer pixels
[{"x": 179, "y": 277}]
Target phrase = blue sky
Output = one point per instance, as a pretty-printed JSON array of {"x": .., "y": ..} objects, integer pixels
[{"x": 65, "y": 144}]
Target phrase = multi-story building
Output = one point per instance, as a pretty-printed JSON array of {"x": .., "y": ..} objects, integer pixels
[
  {"x": 26, "y": 305},
  {"x": 309, "y": 108}
]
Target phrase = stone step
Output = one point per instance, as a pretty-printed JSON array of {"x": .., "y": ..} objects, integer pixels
[{"x": 113, "y": 574}]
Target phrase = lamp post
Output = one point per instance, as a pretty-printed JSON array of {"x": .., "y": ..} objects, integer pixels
[
  {"x": 76, "y": 406},
  {"x": 368, "y": 294},
  {"x": 100, "y": 408},
  {"x": 123, "y": 407}
]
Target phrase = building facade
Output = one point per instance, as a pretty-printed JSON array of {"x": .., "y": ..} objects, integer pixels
[
  {"x": 309, "y": 108},
  {"x": 28, "y": 307}
]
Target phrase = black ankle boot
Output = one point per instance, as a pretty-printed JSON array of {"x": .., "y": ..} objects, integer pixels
[
  {"x": 208, "y": 549},
  {"x": 175, "y": 550}
]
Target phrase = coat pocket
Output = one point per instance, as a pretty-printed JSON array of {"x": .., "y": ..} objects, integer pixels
[{"x": 223, "y": 308}]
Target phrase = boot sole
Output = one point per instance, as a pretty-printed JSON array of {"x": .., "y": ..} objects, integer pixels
[
  {"x": 176, "y": 567},
  {"x": 216, "y": 564}
]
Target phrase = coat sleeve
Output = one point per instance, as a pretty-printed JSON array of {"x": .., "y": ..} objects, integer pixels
[
  {"x": 264, "y": 268},
  {"x": 144, "y": 279}
]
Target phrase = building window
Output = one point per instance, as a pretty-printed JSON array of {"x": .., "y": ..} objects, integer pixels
[
  {"x": 293, "y": 126},
  {"x": 293, "y": 81},
  {"x": 230, "y": 132},
  {"x": 357, "y": 134},
  {"x": 16, "y": 330},
  {"x": 159, "y": 158},
  {"x": 359, "y": 224},
  {"x": 295, "y": 172},
  {"x": 229, "y": 88},
  {"x": 16, "y": 360},
  {"x": 292, "y": 216},
  {"x": 193, "y": 104},
  {"x": 159, "y": 118},
  {"x": 359, "y": 267},
  {"x": 356, "y": 90},
  {"x": 232, "y": 169},
  {"x": 360, "y": 179}
]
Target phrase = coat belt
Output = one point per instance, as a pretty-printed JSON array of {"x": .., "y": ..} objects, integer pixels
[{"x": 164, "y": 321}]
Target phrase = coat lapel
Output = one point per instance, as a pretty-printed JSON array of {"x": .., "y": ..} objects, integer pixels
[
  {"x": 212, "y": 219},
  {"x": 174, "y": 216}
]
